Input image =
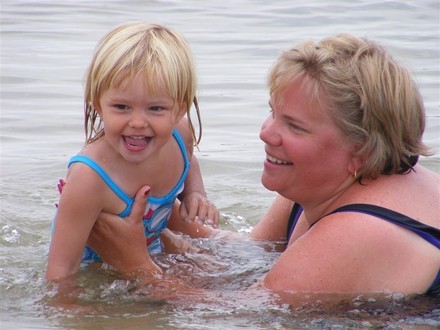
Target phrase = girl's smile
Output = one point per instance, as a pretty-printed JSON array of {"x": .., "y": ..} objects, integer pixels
[{"x": 136, "y": 143}]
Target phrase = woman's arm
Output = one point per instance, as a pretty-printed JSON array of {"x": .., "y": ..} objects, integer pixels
[
  {"x": 122, "y": 242},
  {"x": 192, "y": 229},
  {"x": 273, "y": 225}
]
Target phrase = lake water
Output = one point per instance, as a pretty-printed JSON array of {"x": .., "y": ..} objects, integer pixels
[{"x": 45, "y": 49}]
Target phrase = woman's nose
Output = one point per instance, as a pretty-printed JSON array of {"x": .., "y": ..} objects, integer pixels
[{"x": 268, "y": 134}]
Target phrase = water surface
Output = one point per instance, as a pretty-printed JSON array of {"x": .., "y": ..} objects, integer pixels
[{"x": 45, "y": 49}]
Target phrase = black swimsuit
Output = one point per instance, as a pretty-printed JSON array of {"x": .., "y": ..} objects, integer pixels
[{"x": 431, "y": 234}]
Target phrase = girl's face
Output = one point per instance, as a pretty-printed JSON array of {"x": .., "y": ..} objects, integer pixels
[
  {"x": 307, "y": 156},
  {"x": 138, "y": 123}
]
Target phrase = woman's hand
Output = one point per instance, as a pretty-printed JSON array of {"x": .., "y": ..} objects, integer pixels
[{"x": 122, "y": 242}]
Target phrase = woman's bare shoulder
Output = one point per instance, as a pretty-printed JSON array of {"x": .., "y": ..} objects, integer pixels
[{"x": 347, "y": 252}]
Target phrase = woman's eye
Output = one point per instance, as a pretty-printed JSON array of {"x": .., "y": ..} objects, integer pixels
[{"x": 295, "y": 127}]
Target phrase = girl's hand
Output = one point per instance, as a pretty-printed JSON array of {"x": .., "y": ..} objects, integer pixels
[{"x": 195, "y": 207}]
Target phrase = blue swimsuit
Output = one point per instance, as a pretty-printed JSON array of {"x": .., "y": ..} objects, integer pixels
[
  {"x": 430, "y": 234},
  {"x": 158, "y": 209}
]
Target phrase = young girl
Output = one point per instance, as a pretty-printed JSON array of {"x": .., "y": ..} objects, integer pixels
[{"x": 139, "y": 87}]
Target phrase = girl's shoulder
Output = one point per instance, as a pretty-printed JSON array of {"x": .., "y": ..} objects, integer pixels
[{"x": 185, "y": 133}]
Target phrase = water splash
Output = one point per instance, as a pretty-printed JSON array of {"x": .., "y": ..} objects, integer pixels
[{"x": 10, "y": 234}]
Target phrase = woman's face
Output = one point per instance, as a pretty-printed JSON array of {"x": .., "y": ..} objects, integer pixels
[{"x": 307, "y": 156}]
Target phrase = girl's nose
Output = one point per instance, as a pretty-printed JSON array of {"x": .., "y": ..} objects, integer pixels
[{"x": 138, "y": 119}]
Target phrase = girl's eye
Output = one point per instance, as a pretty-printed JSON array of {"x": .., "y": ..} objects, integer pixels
[
  {"x": 156, "y": 108},
  {"x": 121, "y": 106}
]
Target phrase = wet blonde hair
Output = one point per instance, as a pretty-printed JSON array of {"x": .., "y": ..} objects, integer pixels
[
  {"x": 370, "y": 97},
  {"x": 160, "y": 54}
]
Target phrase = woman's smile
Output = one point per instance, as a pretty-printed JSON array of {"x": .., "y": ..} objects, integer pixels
[{"x": 277, "y": 161}]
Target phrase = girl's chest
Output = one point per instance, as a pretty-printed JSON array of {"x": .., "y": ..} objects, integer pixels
[
  {"x": 163, "y": 178},
  {"x": 162, "y": 172}
]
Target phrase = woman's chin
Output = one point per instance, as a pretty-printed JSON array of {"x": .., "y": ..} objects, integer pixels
[{"x": 268, "y": 183}]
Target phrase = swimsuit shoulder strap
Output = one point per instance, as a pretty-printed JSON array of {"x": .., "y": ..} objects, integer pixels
[
  {"x": 427, "y": 232},
  {"x": 182, "y": 147},
  {"x": 293, "y": 219},
  {"x": 176, "y": 190},
  {"x": 104, "y": 176}
]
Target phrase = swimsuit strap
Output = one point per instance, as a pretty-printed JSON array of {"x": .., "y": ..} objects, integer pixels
[
  {"x": 427, "y": 232},
  {"x": 178, "y": 186},
  {"x": 434, "y": 289},
  {"x": 104, "y": 176},
  {"x": 293, "y": 219}
]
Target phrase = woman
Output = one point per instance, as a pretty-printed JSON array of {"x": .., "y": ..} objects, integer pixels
[{"x": 342, "y": 143}]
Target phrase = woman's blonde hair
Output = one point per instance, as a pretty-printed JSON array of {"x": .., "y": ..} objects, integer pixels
[
  {"x": 160, "y": 54},
  {"x": 370, "y": 97}
]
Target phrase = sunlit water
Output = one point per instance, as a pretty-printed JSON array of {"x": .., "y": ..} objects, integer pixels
[{"x": 45, "y": 48}]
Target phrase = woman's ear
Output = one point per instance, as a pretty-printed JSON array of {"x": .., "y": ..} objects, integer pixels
[{"x": 356, "y": 163}]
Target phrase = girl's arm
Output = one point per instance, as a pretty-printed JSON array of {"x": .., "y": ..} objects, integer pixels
[
  {"x": 78, "y": 209},
  {"x": 195, "y": 205}
]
